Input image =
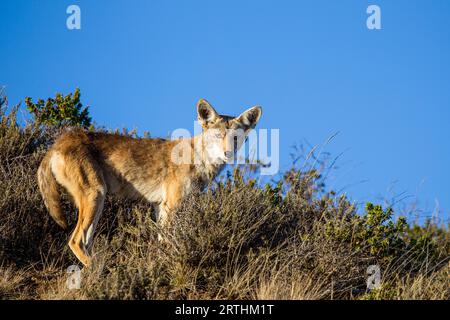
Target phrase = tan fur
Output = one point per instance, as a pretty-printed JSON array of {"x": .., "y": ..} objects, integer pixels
[{"x": 90, "y": 164}]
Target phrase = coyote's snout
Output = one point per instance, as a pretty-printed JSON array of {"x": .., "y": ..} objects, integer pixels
[{"x": 91, "y": 164}]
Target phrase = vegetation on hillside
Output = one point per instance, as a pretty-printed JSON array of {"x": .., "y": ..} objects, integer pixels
[
  {"x": 60, "y": 111},
  {"x": 290, "y": 239}
]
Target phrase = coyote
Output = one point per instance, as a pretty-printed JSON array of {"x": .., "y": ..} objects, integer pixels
[{"x": 90, "y": 164}]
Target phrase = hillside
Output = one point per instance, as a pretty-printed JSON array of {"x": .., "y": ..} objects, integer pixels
[{"x": 291, "y": 239}]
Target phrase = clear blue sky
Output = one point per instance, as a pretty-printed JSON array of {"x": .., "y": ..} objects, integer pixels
[{"x": 313, "y": 66}]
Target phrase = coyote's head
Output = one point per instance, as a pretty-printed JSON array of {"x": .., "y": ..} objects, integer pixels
[{"x": 223, "y": 135}]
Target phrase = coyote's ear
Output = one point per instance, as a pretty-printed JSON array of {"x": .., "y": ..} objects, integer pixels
[
  {"x": 206, "y": 113},
  {"x": 250, "y": 117}
]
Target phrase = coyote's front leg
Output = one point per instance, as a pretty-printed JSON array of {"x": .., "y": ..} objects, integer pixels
[
  {"x": 163, "y": 213},
  {"x": 172, "y": 196}
]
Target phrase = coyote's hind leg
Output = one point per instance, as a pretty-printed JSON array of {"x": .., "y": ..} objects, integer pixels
[
  {"x": 84, "y": 181},
  {"x": 90, "y": 209}
]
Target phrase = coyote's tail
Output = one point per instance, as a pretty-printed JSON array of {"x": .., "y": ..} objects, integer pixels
[{"x": 49, "y": 191}]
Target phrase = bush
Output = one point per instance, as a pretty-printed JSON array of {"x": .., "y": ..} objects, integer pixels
[{"x": 60, "y": 111}]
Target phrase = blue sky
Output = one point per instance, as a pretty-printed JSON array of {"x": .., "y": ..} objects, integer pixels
[{"x": 313, "y": 66}]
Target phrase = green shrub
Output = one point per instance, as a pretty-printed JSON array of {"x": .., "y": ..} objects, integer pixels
[{"x": 60, "y": 111}]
